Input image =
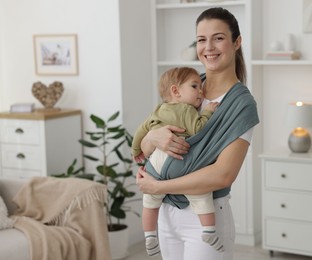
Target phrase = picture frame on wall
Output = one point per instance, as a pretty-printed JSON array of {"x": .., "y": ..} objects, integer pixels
[{"x": 56, "y": 55}]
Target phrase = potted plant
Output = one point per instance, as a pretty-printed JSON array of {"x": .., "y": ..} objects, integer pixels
[{"x": 115, "y": 169}]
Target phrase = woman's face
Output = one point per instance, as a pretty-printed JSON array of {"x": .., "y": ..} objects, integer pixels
[{"x": 215, "y": 48}]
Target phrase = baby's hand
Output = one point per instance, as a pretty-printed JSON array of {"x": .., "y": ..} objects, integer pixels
[
  {"x": 212, "y": 106},
  {"x": 139, "y": 158}
]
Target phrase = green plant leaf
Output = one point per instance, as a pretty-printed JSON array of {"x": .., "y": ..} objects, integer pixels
[
  {"x": 90, "y": 157},
  {"x": 95, "y": 137},
  {"x": 87, "y": 143},
  {"x": 87, "y": 176},
  {"x": 117, "y": 203},
  {"x": 114, "y": 129},
  {"x": 118, "y": 213},
  {"x": 106, "y": 171},
  {"x": 113, "y": 117},
  {"x": 99, "y": 122}
]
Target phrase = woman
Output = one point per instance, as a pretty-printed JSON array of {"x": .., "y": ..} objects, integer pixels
[{"x": 218, "y": 152}]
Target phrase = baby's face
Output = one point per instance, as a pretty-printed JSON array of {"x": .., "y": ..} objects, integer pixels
[{"x": 191, "y": 91}]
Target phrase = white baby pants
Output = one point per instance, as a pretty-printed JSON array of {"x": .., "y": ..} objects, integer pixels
[{"x": 201, "y": 204}]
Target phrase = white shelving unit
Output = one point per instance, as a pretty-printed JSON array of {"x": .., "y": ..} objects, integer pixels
[
  {"x": 203, "y": 4},
  {"x": 281, "y": 63},
  {"x": 173, "y": 29}
]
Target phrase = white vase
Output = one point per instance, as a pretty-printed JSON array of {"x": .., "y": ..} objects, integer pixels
[
  {"x": 290, "y": 43},
  {"x": 189, "y": 54},
  {"x": 276, "y": 46},
  {"x": 119, "y": 243}
]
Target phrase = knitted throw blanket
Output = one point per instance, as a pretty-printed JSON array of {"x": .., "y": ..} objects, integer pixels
[
  {"x": 63, "y": 219},
  {"x": 236, "y": 114}
]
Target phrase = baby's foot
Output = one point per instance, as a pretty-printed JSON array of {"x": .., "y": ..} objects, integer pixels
[
  {"x": 209, "y": 236},
  {"x": 152, "y": 245}
]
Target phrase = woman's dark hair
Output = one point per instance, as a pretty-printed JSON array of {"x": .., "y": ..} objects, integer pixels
[{"x": 227, "y": 17}]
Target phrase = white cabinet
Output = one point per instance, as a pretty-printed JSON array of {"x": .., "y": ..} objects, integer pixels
[
  {"x": 286, "y": 200},
  {"x": 173, "y": 29},
  {"x": 39, "y": 143}
]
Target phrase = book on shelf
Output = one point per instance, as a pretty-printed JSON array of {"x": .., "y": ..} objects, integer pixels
[
  {"x": 283, "y": 55},
  {"x": 22, "y": 107}
]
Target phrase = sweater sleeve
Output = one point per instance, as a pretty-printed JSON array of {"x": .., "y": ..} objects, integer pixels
[
  {"x": 139, "y": 134},
  {"x": 194, "y": 121}
]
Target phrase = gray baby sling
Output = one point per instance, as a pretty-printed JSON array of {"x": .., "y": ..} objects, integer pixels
[{"x": 236, "y": 114}]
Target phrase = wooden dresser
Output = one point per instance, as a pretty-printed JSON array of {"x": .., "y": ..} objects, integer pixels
[
  {"x": 40, "y": 143},
  {"x": 287, "y": 202}
]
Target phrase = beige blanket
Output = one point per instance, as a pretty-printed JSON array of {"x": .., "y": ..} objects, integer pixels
[{"x": 63, "y": 219}]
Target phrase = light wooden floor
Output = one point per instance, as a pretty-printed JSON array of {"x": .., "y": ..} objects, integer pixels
[{"x": 137, "y": 252}]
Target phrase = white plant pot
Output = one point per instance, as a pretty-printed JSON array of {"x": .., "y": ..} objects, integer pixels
[{"x": 119, "y": 243}]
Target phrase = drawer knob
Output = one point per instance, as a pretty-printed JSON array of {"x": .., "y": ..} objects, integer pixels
[
  {"x": 19, "y": 131},
  {"x": 283, "y": 205},
  {"x": 284, "y": 235},
  {"x": 283, "y": 175},
  {"x": 20, "y": 156}
]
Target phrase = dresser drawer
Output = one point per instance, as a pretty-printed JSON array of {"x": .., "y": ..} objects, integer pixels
[
  {"x": 20, "y": 131},
  {"x": 288, "y": 175},
  {"x": 289, "y": 236},
  {"x": 17, "y": 173},
  {"x": 288, "y": 205},
  {"x": 20, "y": 157}
]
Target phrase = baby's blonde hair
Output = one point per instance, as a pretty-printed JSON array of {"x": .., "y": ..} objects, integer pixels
[{"x": 175, "y": 76}]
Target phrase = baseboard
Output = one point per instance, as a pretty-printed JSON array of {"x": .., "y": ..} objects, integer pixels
[{"x": 248, "y": 240}]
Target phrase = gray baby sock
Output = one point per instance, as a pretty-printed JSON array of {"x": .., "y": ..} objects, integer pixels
[
  {"x": 209, "y": 236},
  {"x": 151, "y": 243}
]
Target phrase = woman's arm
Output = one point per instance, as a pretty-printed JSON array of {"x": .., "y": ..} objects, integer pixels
[
  {"x": 217, "y": 176},
  {"x": 164, "y": 139}
]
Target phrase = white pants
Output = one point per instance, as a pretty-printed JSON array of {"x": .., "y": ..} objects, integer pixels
[{"x": 180, "y": 233}]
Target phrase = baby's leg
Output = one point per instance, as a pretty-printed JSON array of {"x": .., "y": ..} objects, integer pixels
[
  {"x": 149, "y": 220},
  {"x": 209, "y": 234},
  {"x": 151, "y": 204},
  {"x": 203, "y": 206}
]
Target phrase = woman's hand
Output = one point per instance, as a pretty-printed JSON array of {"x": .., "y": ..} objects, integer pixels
[
  {"x": 165, "y": 140},
  {"x": 146, "y": 183}
]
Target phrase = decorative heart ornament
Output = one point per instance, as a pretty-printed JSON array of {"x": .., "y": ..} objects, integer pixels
[{"x": 48, "y": 96}]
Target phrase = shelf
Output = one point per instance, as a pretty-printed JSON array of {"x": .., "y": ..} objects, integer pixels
[
  {"x": 281, "y": 62},
  {"x": 199, "y": 4},
  {"x": 254, "y": 62},
  {"x": 179, "y": 63}
]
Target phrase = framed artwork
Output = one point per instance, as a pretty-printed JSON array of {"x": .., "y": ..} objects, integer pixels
[{"x": 56, "y": 55}]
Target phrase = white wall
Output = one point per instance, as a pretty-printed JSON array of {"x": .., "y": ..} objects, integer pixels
[
  {"x": 106, "y": 63},
  {"x": 277, "y": 22},
  {"x": 114, "y": 61},
  {"x": 135, "y": 40},
  {"x": 97, "y": 89},
  {"x": 283, "y": 84}
]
